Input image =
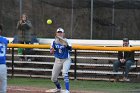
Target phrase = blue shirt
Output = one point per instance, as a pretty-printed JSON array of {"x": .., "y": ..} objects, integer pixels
[
  {"x": 61, "y": 51},
  {"x": 3, "y": 49}
]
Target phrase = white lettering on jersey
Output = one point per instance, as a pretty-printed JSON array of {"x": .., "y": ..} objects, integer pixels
[{"x": 59, "y": 47}]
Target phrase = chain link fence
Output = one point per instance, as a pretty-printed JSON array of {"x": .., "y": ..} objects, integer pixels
[{"x": 81, "y": 19}]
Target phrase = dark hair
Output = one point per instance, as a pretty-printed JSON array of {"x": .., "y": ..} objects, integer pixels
[
  {"x": 1, "y": 27},
  {"x": 126, "y": 39}
]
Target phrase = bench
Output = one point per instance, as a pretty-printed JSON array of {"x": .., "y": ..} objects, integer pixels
[{"x": 78, "y": 71}]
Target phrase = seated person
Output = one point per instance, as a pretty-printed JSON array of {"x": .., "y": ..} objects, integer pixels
[
  {"x": 26, "y": 51},
  {"x": 125, "y": 58}
]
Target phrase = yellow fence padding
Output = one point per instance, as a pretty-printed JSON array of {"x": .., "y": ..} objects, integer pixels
[
  {"x": 28, "y": 46},
  {"x": 78, "y": 47}
]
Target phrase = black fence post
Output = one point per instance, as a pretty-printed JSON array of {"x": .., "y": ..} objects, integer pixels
[
  {"x": 12, "y": 62},
  {"x": 75, "y": 64}
]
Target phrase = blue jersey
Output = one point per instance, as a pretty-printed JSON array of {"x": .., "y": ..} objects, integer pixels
[
  {"x": 3, "y": 49},
  {"x": 61, "y": 51}
]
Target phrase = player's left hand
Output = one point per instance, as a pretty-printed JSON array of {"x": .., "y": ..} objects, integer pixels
[{"x": 52, "y": 50}]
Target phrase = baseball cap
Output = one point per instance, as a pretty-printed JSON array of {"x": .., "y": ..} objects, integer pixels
[
  {"x": 60, "y": 30},
  {"x": 126, "y": 39}
]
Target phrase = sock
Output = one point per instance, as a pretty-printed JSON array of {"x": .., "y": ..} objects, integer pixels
[
  {"x": 66, "y": 80},
  {"x": 57, "y": 85}
]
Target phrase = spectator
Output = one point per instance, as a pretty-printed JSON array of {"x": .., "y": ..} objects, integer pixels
[
  {"x": 21, "y": 51},
  {"x": 125, "y": 58},
  {"x": 24, "y": 34},
  {"x": 3, "y": 68}
]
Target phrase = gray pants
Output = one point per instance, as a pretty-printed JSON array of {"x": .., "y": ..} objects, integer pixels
[
  {"x": 127, "y": 65},
  {"x": 60, "y": 64},
  {"x": 3, "y": 78}
]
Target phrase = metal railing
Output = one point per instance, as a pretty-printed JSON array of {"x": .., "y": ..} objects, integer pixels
[{"x": 78, "y": 67}]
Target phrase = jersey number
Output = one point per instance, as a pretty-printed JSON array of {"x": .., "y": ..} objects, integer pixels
[{"x": 2, "y": 49}]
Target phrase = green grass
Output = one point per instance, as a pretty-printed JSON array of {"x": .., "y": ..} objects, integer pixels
[{"x": 106, "y": 86}]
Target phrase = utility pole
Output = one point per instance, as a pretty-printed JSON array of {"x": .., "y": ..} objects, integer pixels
[
  {"x": 91, "y": 21},
  {"x": 72, "y": 17},
  {"x": 20, "y": 7},
  {"x": 113, "y": 20}
]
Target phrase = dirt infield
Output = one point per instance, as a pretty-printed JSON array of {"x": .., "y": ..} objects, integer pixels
[{"x": 22, "y": 89}]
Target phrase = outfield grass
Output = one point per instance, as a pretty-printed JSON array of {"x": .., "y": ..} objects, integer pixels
[{"x": 111, "y": 87}]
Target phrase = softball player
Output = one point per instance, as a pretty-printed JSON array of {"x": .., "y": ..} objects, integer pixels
[
  {"x": 62, "y": 60},
  {"x": 3, "y": 68}
]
